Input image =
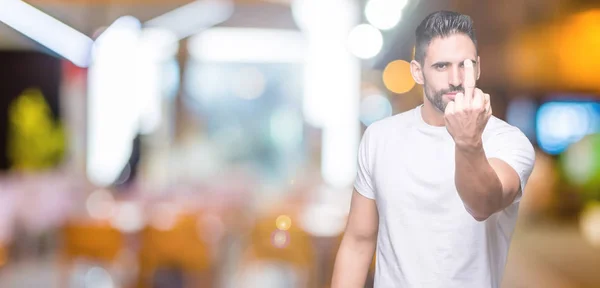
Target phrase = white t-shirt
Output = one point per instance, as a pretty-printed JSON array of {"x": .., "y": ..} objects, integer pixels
[{"x": 426, "y": 237}]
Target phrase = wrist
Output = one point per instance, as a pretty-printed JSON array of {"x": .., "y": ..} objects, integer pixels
[{"x": 469, "y": 146}]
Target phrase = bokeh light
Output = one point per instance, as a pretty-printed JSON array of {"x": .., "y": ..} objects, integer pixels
[
  {"x": 322, "y": 17},
  {"x": 280, "y": 239},
  {"x": 365, "y": 41},
  {"x": 129, "y": 217},
  {"x": 581, "y": 162},
  {"x": 283, "y": 222},
  {"x": 560, "y": 124},
  {"x": 323, "y": 220},
  {"x": 373, "y": 108},
  {"x": 384, "y": 14},
  {"x": 397, "y": 77},
  {"x": 164, "y": 216},
  {"x": 590, "y": 224},
  {"x": 577, "y": 42},
  {"x": 100, "y": 204},
  {"x": 98, "y": 277}
]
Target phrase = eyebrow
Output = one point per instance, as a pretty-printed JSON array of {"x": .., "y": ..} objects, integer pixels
[
  {"x": 440, "y": 63},
  {"x": 448, "y": 63}
]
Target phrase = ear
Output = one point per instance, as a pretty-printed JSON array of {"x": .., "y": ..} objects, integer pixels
[
  {"x": 416, "y": 72},
  {"x": 478, "y": 67}
]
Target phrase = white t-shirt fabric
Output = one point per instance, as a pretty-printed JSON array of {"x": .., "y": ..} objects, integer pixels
[{"x": 426, "y": 237}]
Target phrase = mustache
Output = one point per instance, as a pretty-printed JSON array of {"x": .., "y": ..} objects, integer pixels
[{"x": 460, "y": 89}]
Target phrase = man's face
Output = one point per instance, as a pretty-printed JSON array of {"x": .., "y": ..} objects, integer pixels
[{"x": 442, "y": 68}]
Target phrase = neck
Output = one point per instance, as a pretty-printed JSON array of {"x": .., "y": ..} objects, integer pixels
[{"x": 432, "y": 115}]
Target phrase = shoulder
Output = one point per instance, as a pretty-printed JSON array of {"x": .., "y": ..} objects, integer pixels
[
  {"x": 498, "y": 127},
  {"x": 500, "y": 133},
  {"x": 391, "y": 125}
]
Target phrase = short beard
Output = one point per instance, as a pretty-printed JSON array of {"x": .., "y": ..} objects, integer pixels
[{"x": 437, "y": 99}]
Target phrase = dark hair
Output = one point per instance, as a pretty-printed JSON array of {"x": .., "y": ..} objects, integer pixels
[{"x": 441, "y": 24}]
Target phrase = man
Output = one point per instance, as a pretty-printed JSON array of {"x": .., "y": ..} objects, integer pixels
[{"x": 438, "y": 187}]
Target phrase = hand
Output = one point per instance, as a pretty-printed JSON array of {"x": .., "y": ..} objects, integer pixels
[{"x": 468, "y": 114}]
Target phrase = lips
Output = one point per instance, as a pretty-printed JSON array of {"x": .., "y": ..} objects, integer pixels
[{"x": 451, "y": 95}]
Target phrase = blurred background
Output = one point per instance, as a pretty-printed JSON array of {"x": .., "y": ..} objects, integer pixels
[{"x": 212, "y": 143}]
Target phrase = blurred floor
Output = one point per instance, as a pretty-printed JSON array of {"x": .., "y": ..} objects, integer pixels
[
  {"x": 553, "y": 256},
  {"x": 547, "y": 255},
  {"x": 30, "y": 274}
]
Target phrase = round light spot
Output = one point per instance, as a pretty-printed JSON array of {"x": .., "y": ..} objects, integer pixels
[
  {"x": 283, "y": 222},
  {"x": 280, "y": 239},
  {"x": 365, "y": 41},
  {"x": 164, "y": 216},
  {"x": 590, "y": 224},
  {"x": 322, "y": 220},
  {"x": 98, "y": 277},
  {"x": 374, "y": 108},
  {"x": 581, "y": 164},
  {"x": 397, "y": 77},
  {"x": 578, "y": 164},
  {"x": 129, "y": 217},
  {"x": 384, "y": 14},
  {"x": 100, "y": 205}
]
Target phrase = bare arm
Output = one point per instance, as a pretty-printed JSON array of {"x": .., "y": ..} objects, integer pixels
[
  {"x": 485, "y": 185},
  {"x": 358, "y": 244}
]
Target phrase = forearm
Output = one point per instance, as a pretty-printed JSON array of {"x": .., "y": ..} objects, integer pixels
[
  {"x": 476, "y": 181},
  {"x": 352, "y": 262}
]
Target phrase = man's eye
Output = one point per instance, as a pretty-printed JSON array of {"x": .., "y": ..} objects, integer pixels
[{"x": 440, "y": 66}]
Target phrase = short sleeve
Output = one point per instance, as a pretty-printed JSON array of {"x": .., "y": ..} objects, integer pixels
[
  {"x": 513, "y": 147},
  {"x": 364, "y": 183}
]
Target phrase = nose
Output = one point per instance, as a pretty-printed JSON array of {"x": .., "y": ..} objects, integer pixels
[{"x": 455, "y": 76}]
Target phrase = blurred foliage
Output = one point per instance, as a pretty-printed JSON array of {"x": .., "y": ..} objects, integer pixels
[
  {"x": 35, "y": 140},
  {"x": 580, "y": 165}
]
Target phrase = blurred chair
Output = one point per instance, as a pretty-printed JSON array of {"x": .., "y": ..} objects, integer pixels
[
  {"x": 92, "y": 241},
  {"x": 292, "y": 247},
  {"x": 180, "y": 248},
  {"x": 3, "y": 255}
]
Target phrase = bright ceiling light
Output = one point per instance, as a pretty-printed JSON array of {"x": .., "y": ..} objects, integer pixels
[
  {"x": 46, "y": 30},
  {"x": 191, "y": 18},
  {"x": 384, "y": 14}
]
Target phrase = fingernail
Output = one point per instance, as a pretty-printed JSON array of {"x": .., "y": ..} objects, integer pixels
[{"x": 468, "y": 63}]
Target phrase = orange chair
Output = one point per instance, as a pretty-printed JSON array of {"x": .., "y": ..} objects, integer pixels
[
  {"x": 181, "y": 247},
  {"x": 94, "y": 241},
  {"x": 292, "y": 246},
  {"x": 3, "y": 255}
]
